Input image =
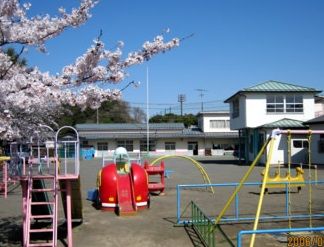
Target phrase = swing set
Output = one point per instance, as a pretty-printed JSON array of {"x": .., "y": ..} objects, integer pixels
[
  {"x": 266, "y": 182},
  {"x": 279, "y": 181},
  {"x": 206, "y": 227}
]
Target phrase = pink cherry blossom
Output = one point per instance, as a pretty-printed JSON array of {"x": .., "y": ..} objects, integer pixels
[{"x": 30, "y": 97}]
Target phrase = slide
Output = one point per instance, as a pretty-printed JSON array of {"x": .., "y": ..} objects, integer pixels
[
  {"x": 125, "y": 192},
  {"x": 75, "y": 198}
]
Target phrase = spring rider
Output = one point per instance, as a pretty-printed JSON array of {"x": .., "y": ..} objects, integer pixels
[{"x": 123, "y": 186}]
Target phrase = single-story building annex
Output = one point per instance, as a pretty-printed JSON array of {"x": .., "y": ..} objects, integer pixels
[{"x": 164, "y": 138}]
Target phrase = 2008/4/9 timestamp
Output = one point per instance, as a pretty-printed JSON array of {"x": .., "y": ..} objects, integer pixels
[{"x": 305, "y": 241}]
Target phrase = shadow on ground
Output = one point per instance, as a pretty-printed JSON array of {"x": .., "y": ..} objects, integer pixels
[
  {"x": 10, "y": 231},
  {"x": 219, "y": 161}
]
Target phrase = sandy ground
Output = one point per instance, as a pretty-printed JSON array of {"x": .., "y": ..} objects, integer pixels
[{"x": 156, "y": 226}]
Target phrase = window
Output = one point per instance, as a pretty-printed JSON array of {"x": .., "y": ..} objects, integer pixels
[
  {"x": 275, "y": 103},
  {"x": 170, "y": 146},
  {"x": 300, "y": 143},
  {"x": 102, "y": 146},
  {"x": 294, "y": 103},
  {"x": 128, "y": 144},
  {"x": 251, "y": 144},
  {"x": 143, "y": 145},
  {"x": 236, "y": 108},
  {"x": 289, "y": 103},
  {"x": 260, "y": 141},
  {"x": 321, "y": 144},
  {"x": 192, "y": 145},
  {"x": 219, "y": 124}
]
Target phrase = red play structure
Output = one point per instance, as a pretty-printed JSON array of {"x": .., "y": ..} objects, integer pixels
[{"x": 123, "y": 186}]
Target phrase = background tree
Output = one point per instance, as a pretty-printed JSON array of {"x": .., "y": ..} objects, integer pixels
[
  {"x": 29, "y": 97},
  {"x": 187, "y": 119},
  {"x": 116, "y": 111}
]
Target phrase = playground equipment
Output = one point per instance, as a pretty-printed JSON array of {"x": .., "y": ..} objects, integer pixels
[
  {"x": 133, "y": 158},
  {"x": 151, "y": 171},
  {"x": 40, "y": 191},
  {"x": 4, "y": 182},
  {"x": 194, "y": 162},
  {"x": 122, "y": 185},
  {"x": 278, "y": 181},
  {"x": 198, "y": 221}
]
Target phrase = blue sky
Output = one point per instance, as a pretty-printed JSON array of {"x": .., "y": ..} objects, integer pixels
[{"x": 236, "y": 44}]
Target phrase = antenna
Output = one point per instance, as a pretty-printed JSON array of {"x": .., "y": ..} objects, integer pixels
[{"x": 201, "y": 94}]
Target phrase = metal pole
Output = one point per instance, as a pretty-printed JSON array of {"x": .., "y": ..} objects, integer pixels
[
  {"x": 178, "y": 204},
  {"x": 147, "y": 113}
]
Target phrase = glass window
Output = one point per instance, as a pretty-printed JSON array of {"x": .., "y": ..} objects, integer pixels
[
  {"x": 321, "y": 146},
  {"x": 102, "y": 146},
  {"x": 143, "y": 145},
  {"x": 128, "y": 144},
  {"x": 300, "y": 143},
  {"x": 294, "y": 103},
  {"x": 297, "y": 144},
  {"x": 192, "y": 145},
  {"x": 219, "y": 124},
  {"x": 275, "y": 103},
  {"x": 251, "y": 144},
  {"x": 236, "y": 108},
  {"x": 170, "y": 146}
]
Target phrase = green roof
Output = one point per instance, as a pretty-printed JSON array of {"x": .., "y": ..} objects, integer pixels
[
  {"x": 275, "y": 86},
  {"x": 284, "y": 123}
]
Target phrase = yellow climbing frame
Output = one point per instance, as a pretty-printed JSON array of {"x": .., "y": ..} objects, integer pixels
[{"x": 195, "y": 162}]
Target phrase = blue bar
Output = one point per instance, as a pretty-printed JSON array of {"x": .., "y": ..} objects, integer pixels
[
  {"x": 179, "y": 186},
  {"x": 178, "y": 203},
  {"x": 281, "y": 230},
  {"x": 236, "y": 206},
  {"x": 246, "y": 184},
  {"x": 262, "y": 218}
]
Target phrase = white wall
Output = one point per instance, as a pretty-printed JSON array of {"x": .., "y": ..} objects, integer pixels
[
  {"x": 206, "y": 124},
  {"x": 253, "y": 111},
  {"x": 256, "y": 114},
  {"x": 181, "y": 146}
]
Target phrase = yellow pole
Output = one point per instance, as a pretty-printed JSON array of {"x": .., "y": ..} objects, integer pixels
[
  {"x": 245, "y": 177},
  {"x": 265, "y": 177},
  {"x": 310, "y": 177},
  {"x": 289, "y": 176}
]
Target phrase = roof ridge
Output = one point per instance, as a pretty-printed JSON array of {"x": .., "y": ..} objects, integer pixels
[{"x": 278, "y": 82}]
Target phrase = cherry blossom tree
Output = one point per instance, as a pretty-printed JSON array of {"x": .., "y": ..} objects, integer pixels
[{"x": 30, "y": 97}]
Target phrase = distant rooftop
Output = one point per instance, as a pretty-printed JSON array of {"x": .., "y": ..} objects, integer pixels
[
  {"x": 275, "y": 86},
  {"x": 138, "y": 131},
  {"x": 317, "y": 120},
  {"x": 130, "y": 126}
]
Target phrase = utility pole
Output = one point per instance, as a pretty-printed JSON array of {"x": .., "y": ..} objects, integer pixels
[
  {"x": 181, "y": 99},
  {"x": 201, "y": 94}
]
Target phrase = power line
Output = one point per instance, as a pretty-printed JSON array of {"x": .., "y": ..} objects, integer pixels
[{"x": 201, "y": 94}]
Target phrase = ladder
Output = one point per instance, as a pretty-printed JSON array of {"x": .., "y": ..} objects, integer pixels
[{"x": 42, "y": 205}]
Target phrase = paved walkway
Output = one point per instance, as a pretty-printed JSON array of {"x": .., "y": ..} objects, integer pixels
[{"x": 155, "y": 227}]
